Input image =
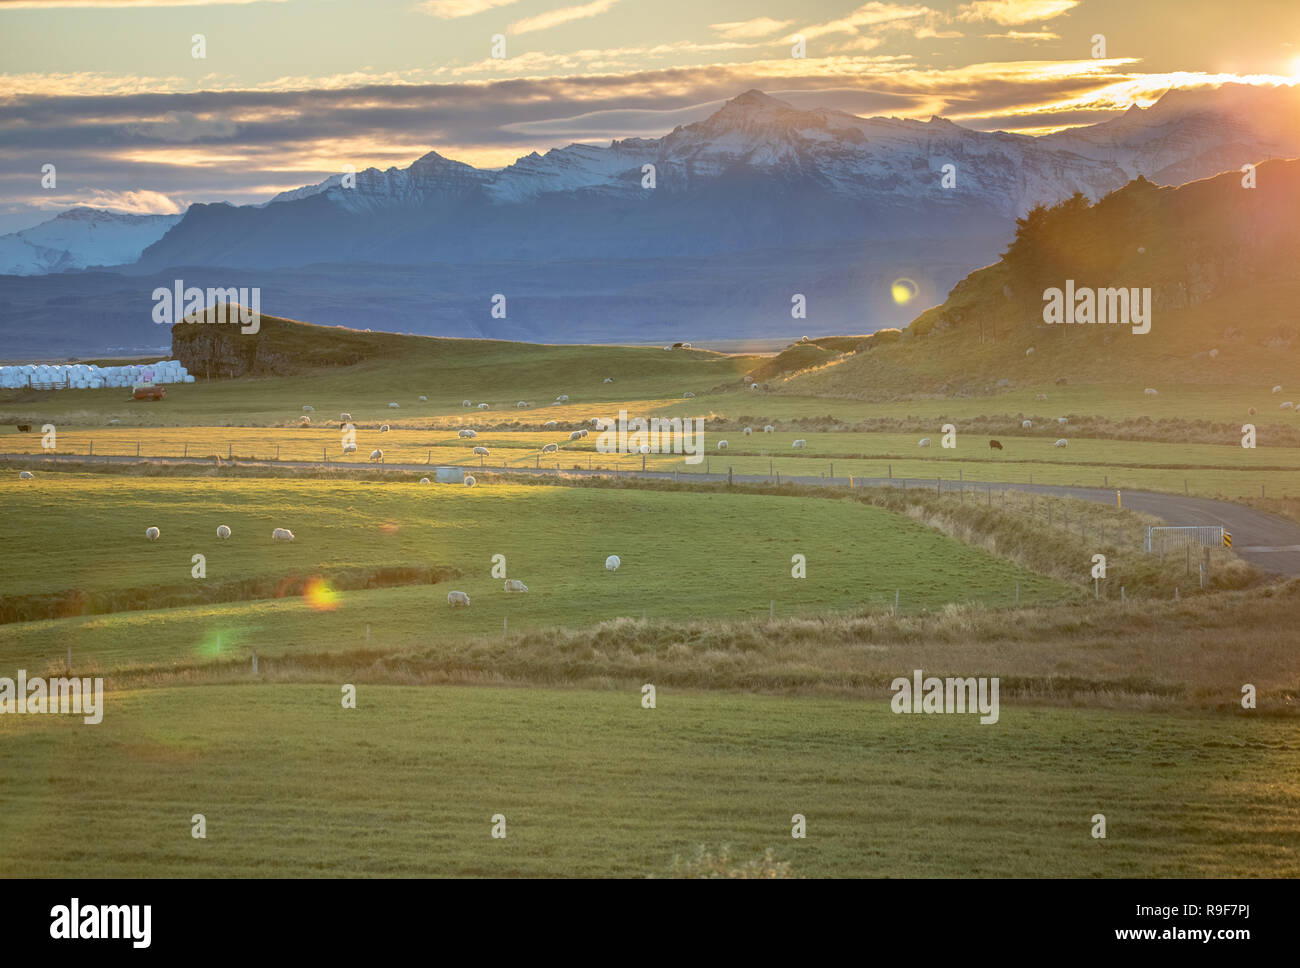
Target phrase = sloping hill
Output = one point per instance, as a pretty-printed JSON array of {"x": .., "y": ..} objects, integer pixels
[{"x": 1218, "y": 257}]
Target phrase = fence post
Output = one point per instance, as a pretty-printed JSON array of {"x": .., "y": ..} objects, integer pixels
[
  {"x": 277, "y": 451},
  {"x": 1121, "y": 593},
  {"x": 1017, "y": 593},
  {"x": 92, "y": 448},
  {"x": 771, "y": 608},
  {"x": 254, "y": 662},
  {"x": 137, "y": 448},
  {"x": 832, "y": 469},
  {"x": 728, "y": 476}
]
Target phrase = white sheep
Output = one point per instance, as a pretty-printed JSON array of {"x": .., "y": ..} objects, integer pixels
[
  {"x": 722, "y": 445},
  {"x": 308, "y": 409},
  {"x": 422, "y": 398},
  {"x": 458, "y": 600},
  {"x": 769, "y": 429},
  {"x": 377, "y": 455},
  {"x": 550, "y": 424},
  {"x": 469, "y": 480},
  {"x": 1149, "y": 392},
  {"x": 687, "y": 395},
  {"x": 467, "y": 433},
  {"x": 562, "y": 398},
  {"x": 1214, "y": 354},
  {"x": 25, "y": 475},
  {"x": 1288, "y": 405},
  {"x": 1062, "y": 420},
  {"x": 609, "y": 379},
  {"x": 1061, "y": 443},
  {"x": 281, "y": 534},
  {"x": 800, "y": 444},
  {"x": 550, "y": 448},
  {"x": 668, "y": 348},
  {"x": 1277, "y": 389},
  {"x": 756, "y": 386},
  {"x": 345, "y": 418},
  {"x": 394, "y": 405},
  {"x": 483, "y": 406},
  {"x": 748, "y": 431},
  {"x": 153, "y": 534},
  {"x": 923, "y": 442},
  {"x": 612, "y": 563},
  {"x": 467, "y": 403},
  {"x": 424, "y": 480},
  {"x": 1026, "y": 425},
  {"x": 1029, "y": 352},
  {"x": 114, "y": 422},
  {"x": 594, "y": 421},
  {"x": 583, "y": 433},
  {"x": 304, "y": 421},
  {"x": 480, "y": 452},
  {"x": 1040, "y": 396},
  {"x": 349, "y": 448},
  {"x": 515, "y": 585},
  {"x": 576, "y": 435},
  {"x": 383, "y": 429},
  {"x": 521, "y": 404},
  {"x": 686, "y": 346},
  {"x": 223, "y": 532}
]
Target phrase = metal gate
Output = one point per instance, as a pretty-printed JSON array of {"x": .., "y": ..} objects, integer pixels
[{"x": 1160, "y": 540}]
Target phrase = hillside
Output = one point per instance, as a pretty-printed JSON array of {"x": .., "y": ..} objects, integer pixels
[{"x": 1219, "y": 260}]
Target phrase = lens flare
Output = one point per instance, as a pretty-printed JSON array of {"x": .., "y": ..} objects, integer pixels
[
  {"x": 903, "y": 291},
  {"x": 320, "y": 596}
]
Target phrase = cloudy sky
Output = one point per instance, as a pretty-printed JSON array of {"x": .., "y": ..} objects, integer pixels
[{"x": 290, "y": 91}]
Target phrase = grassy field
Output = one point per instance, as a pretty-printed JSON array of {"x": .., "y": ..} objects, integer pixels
[
  {"x": 291, "y": 784},
  {"x": 682, "y": 553},
  {"x": 1226, "y": 470}
]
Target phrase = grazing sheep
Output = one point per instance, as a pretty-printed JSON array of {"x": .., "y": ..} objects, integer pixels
[
  {"x": 1288, "y": 405},
  {"x": 377, "y": 455},
  {"x": 1040, "y": 396},
  {"x": 1214, "y": 354},
  {"x": 467, "y": 433},
  {"x": 800, "y": 444},
  {"x": 114, "y": 422},
  {"x": 345, "y": 418},
  {"x": 481, "y": 451},
  {"x": 1062, "y": 420},
  {"x": 756, "y": 386},
  {"x": 25, "y": 475},
  {"x": 515, "y": 585},
  {"x": 686, "y": 346},
  {"x": 769, "y": 429},
  {"x": 576, "y": 435},
  {"x": 1026, "y": 425},
  {"x": 548, "y": 425},
  {"x": 1149, "y": 392},
  {"x": 995, "y": 445},
  {"x": 668, "y": 348},
  {"x": 583, "y": 433},
  {"x": 562, "y": 398},
  {"x": 458, "y": 600},
  {"x": 521, "y": 404},
  {"x": 550, "y": 448},
  {"x": 612, "y": 563},
  {"x": 1029, "y": 352},
  {"x": 223, "y": 532},
  {"x": 424, "y": 480},
  {"x": 304, "y": 421},
  {"x": 153, "y": 534},
  {"x": 923, "y": 442},
  {"x": 748, "y": 431},
  {"x": 349, "y": 448},
  {"x": 467, "y": 403},
  {"x": 422, "y": 398},
  {"x": 307, "y": 409},
  {"x": 394, "y": 405},
  {"x": 688, "y": 394},
  {"x": 383, "y": 429},
  {"x": 1277, "y": 389},
  {"x": 609, "y": 379},
  {"x": 469, "y": 480},
  {"x": 722, "y": 445},
  {"x": 483, "y": 406},
  {"x": 1061, "y": 443},
  {"x": 594, "y": 421}
]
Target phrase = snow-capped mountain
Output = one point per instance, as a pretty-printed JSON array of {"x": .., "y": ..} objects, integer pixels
[{"x": 78, "y": 238}]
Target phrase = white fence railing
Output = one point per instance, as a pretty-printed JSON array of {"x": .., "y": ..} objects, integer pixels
[{"x": 1162, "y": 539}]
